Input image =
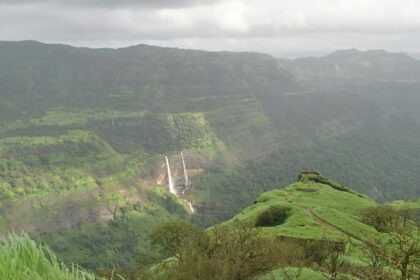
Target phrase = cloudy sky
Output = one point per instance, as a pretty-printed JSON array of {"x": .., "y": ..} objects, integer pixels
[{"x": 274, "y": 26}]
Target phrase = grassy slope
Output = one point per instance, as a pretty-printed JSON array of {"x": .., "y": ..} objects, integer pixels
[{"x": 317, "y": 211}]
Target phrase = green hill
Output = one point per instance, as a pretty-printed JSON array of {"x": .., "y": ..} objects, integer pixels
[
  {"x": 316, "y": 208},
  {"x": 315, "y": 228}
]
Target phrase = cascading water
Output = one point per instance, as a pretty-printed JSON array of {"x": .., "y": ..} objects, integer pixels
[
  {"x": 185, "y": 170},
  {"x": 191, "y": 207},
  {"x": 170, "y": 180},
  {"x": 172, "y": 185}
]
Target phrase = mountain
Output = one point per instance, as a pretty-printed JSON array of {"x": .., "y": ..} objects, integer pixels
[
  {"x": 415, "y": 55},
  {"x": 357, "y": 65},
  {"x": 84, "y": 132}
]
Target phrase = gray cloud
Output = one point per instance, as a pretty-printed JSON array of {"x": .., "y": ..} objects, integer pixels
[
  {"x": 145, "y": 4},
  {"x": 263, "y": 25}
]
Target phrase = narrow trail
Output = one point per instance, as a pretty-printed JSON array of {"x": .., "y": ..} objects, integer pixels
[
  {"x": 322, "y": 222},
  {"x": 327, "y": 225}
]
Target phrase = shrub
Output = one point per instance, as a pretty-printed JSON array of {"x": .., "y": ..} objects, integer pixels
[
  {"x": 382, "y": 218},
  {"x": 222, "y": 253},
  {"x": 272, "y": 217}
]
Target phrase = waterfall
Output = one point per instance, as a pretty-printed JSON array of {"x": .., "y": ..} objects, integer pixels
[
  {"x": 172, "y": 185},
  {"x": 185, "y": 170},
  {"x": 191, "y": 207},
  {"x": 170, "y": 181}
]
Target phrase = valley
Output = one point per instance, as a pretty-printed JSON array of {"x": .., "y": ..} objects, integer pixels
[{"x": 84, "y": 134}]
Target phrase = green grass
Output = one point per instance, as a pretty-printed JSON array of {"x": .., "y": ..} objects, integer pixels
[
  {"x": 22, "y": 259},
  {"x": 339, "y": 209},
  {"x": 405, "y": 204}
]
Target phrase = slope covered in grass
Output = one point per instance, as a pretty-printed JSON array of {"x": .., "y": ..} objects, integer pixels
[{"x": 316, "y": 208}]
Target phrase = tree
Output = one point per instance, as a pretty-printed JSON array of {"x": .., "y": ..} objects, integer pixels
[
  {"x": 221, "y": 253},
  {"x": 334, "y": 263},
  {"x": 382, "y": 218},
  {"x": 174, "y": 237},
  {"x": 405, "y": 255},
  {"x": 401, "y": 252}
]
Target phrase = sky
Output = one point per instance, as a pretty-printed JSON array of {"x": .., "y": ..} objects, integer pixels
[{"x": 278, "y": 27}]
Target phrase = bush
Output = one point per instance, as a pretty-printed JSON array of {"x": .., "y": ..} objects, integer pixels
[
  {"x": 221, "y": 253},
  {"x": 382, "y": 218},
  {"x": 272, "y": 217}
]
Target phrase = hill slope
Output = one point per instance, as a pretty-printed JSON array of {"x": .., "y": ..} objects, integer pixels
[
  {"x": 315, "y": 228},
  {"x": 317, "y": 208}
]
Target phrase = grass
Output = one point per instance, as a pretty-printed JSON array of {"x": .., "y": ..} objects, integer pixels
[
  {"x": 406, "y": 204},
  {"x": 316, "y": 210},
  {"x": 22, "y": 259}
]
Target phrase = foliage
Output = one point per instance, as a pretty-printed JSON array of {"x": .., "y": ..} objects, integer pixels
[
  {"x": 382, "y": 218},
  {"x": 121, "y": 243},
  {"x": 221, "y": 253},
  {"x": 271, "y": 217},
  {"x": 173, "y": 237},
  {"x": 401, "y": 252}
]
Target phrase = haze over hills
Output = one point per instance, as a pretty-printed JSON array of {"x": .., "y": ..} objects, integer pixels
[{"x": 83, "y": 134}]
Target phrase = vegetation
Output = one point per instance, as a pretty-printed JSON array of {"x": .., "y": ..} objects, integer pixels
[
  {"x": 241, "y": 249},
  {"x": 83, "y": 133},
  {"x": 382, "y": 218},
  {"x": 21, "y": 259},
  {"x": 309, "y": 229},
  {"x": 271, "y": 217},
  {"x": 120, "y": 243},
  {"x": 222, "y": 253}
]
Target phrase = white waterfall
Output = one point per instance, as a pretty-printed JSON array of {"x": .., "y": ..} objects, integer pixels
[
  {"x": 170, "y": 180},
  {"x": 172, "y": 185},
  {"x": 185, "y": 170},
  {"x": 191, "y": 207}
]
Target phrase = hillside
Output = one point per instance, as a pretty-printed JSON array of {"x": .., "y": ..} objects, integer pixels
[
  {"x": 317, "y": 208},
  {"x": 84, "y": 132},
  {"x": 360, "y": 66},
  {"x": 315, "y": 228},
  {"x": 285, "y": 233}
]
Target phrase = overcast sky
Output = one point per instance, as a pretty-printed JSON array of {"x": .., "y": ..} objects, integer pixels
[{"x": 273, "y": 26}]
